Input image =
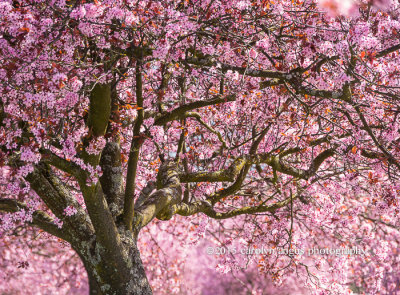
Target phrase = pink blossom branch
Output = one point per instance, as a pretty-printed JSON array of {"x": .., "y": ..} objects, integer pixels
[{"x": 39, "y": 218}]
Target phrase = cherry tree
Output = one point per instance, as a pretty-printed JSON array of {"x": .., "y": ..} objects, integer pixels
[{"x": 129, "y": 125}]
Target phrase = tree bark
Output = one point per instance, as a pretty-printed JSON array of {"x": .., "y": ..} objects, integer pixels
[
  {"x": 94, "y": 288},
  {"x": 109, "y": 277}
]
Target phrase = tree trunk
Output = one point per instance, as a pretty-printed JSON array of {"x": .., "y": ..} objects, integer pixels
[
  {"x": 107, "y": 276},
  {"x": 94, "y": 288}
]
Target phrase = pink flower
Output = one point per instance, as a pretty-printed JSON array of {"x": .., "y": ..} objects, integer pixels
[{"x": 70, "y": 211}]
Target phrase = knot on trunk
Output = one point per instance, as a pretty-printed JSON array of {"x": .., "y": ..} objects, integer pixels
[
  {"x": 168, "y": 175},
  {"x": 160, "y": 202}
]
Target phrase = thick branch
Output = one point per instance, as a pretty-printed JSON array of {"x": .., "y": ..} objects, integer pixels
[
  {"x": 228, "y": 174},
  {"x": 54, "y": 194},
  {"x": 180, "y": 112},
  {"x": 340, "y": 95},
  {"x": 206, "y": 208},
  {"x": 387, "y": 51},
  {"x": 111, "y": 179},
  {"x": 234, "y": 187},
  {"x": 103, "y": 222},
  {"x": 277, "y": 77},
  {"x": 276, "y": 163},
  {"x": 208, "y": 62},
  {"x": 133, "y": 160},
  {"x": 98, "y": 118},
  {"x": 160, "y": 203},
  {"x": 64, "y": 165},
  {"x": 99, "y": 109},
  {"x": 269, "y": 83},
  {"x": 39, "y": 218}
]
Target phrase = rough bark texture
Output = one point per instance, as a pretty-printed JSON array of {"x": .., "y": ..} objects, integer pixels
[
  {"x": 111, "y": 180},
  {"x": 107, "y": 276}
]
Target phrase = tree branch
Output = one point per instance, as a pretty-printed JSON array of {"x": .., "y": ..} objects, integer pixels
[
  {"x": 160, "y": 203},
  {"x": 387, "y": 51},
  {"x": 98, "y": 118},
  {"x": 129, "y": 202},
  {"x": 206, "y": 208},
  {"x": 111, "y": 179},
  {"x": 228, "y": 174},
  {"x": 64, "y": 165},
  {"x": 212, "y": 130},
  {"x": 374, "y": 139},
  {"x": 54, "y": 194},
  {"x": 39, "y": 218},
  {"x": 208, "y": 62},
  {"x": 180, "y": 112}
]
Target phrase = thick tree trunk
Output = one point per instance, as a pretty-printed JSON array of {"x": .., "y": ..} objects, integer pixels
[
  {"x": 108, "y": 277},
  {"x": 94, "y": 288}
]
